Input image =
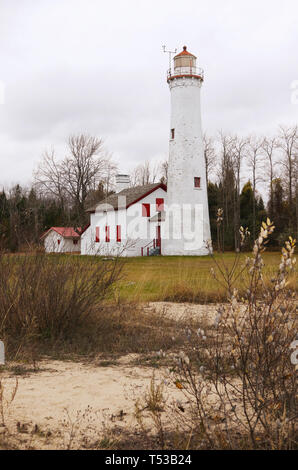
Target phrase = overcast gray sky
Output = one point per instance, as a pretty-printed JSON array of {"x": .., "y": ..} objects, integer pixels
[{"x": 96, "y": 66}]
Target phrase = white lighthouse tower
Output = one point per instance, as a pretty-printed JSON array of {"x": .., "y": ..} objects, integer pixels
[{"x": 187, "y": 225}]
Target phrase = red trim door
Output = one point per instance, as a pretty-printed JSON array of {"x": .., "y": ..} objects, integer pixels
[{"x": 158, "y": 238}]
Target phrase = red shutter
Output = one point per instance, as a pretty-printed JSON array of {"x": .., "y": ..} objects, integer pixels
[
  {"x": 146, "y": 210},
  {"x": 159, "y": 204},
  {"x": 197, "y": 182},
  {"x": 118, "y": 233},
  {"x": 97, "y": 235},
  {"x": 107, "y": 233}
]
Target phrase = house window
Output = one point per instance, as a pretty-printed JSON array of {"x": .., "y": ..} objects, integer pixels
[
  {"x": 159, "y": 204},
  {"x": 107, "y": 233},
  {"x": 172, "y": 134},
  {"x": 58, "y": 242},
  {"x": 97, "y": 239},
  {"x": 118, "y": 233},
  {"x": 146, "y": 210},
  {"x": 197, "y": 182},
  {"x": 75, "y": 242}
]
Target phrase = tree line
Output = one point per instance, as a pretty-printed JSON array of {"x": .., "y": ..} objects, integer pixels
[{"x": 240, "y": 171}]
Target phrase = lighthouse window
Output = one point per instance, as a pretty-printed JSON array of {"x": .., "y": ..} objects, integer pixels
[
  {"x": 197, "y": 182},
  {"x": 172, "y": 133}
]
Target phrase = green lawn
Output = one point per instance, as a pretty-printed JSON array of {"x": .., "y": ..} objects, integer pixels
[{"x": 180, "y": 278}]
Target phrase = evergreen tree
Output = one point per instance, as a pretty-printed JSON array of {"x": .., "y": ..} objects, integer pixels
[
  {"x": 247, "y": 202},
  {"x": 213, "y": 199}
]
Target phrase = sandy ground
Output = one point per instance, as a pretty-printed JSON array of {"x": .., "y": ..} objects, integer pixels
[
  {"x": 183, "y": 311},
  {"x": 65, "y": 396}
]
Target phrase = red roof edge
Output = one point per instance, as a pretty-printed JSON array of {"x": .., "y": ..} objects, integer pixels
[
  {"x": 161, "y": 185},
  {"x": 84, "y": 229}
]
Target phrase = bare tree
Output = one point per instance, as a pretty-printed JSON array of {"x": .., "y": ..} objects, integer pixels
[
  {"x": 288, "y": 137},
  {"x": 86, "y": 166},
  {"x": 82, "y": 170},
  {"x": 155, "y": 171},
  {"x": 296, "y": 185},
  {"x": 269, "y": 147},
  {"x": 107, "y": 179},
  {"x": 226, "y": 176},
  {"x": 145, "y": 173},
  {"x": 255, "y": 152},
  {"x": 209, "y": 155},
  {"x": 239, "y": 147},
  {"x": 141, "y": 174},
  {"x": 48, "y": 177},
  {"x": 164, "y": 167}
]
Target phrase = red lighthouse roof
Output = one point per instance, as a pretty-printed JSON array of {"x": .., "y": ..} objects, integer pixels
[{"x": 184, "y": 52}]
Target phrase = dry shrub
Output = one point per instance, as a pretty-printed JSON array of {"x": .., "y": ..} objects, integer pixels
[
  {"x": 64, "y": 306},
  {"x": 238, "y": 378},
  {"x": 50, "y": 297},
  {"x": 154, "y": 402},
  {"x": 183, "y": 293}
]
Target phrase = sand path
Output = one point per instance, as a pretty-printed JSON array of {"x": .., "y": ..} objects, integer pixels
[{"x": 68, "y": 392}]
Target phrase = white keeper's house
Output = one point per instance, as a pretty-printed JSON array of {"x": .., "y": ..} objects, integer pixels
[{"x": 157, "y": 219}]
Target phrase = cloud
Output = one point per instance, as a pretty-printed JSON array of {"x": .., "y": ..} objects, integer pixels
[{"x": 86, "y": 66}]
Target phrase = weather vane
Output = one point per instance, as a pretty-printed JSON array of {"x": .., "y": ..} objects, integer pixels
[{"x": 170, "y": 54}]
